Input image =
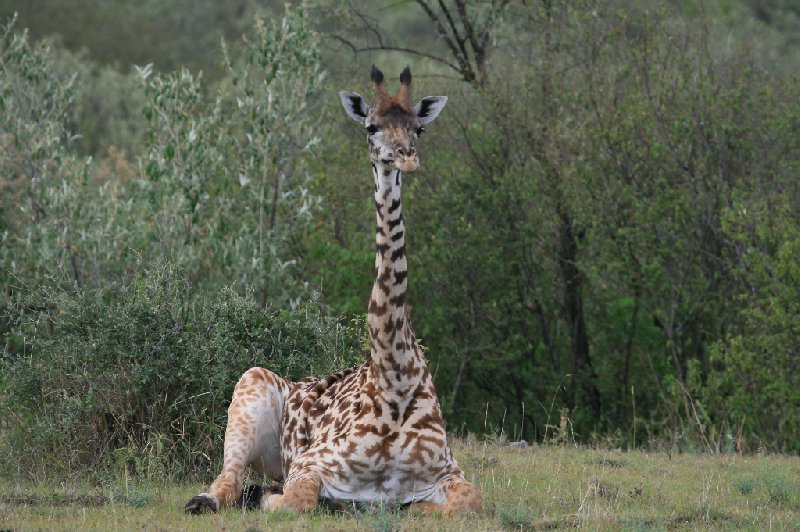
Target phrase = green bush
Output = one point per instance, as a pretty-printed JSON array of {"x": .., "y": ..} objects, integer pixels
[
  {"x": 755, "y": 388},
  {"x": 107, "y": 108},
  {"x": 144, "y": 370},
  {"x": 781, "y": 490},
  {"x": 745, "y": 485},
  {"x": 106, "y": 361}
]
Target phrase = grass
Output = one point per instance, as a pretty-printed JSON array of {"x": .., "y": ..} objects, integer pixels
[{"x": 524, "y": 489}]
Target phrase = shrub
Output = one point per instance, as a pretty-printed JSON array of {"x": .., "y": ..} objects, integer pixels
[
  {"x": 745, "y": 485},
  {"x": 515, "y": 518},
  {"x": 780, "y": 489},
  {"x": 107, "y": 361},
  {"x": 141, "y": 372}
]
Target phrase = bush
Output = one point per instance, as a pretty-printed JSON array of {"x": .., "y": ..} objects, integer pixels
[
  {"x": 107, "y": 361},
  {"x": 755, "y": 388},
  {"x": 107, "y": 107},
  {"x": 745, "y": 485},
  {"x": 141, "y": 372}
]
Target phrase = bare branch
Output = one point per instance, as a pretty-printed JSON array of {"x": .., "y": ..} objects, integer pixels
[
  {"x": 414, "y": 52},
  {"x": 175, "y": 328},
  {"x": 346, "y": 43},
  {"x": 456, "y": 36},
  {"x": 369, "y": 27},
  {"x": 466, "y": 39},
  {"x": 464, "y": 68},
  {"x": 468, "y": 28}
]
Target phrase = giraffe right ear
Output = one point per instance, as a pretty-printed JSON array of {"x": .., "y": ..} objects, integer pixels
[
  {"x": 429, "y": 108},
  {"x": 355, "y": 106}
]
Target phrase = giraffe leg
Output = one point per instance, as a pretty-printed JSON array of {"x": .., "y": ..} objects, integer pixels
[
  {"x": 461, "y": 497},
  {"x": 300, "y": 495},
  {"x": 426, "y": 507},
  {"x": 252, "y": 438}
]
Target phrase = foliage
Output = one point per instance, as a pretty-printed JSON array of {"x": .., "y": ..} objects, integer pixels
[
  {"x": 576, "y": 236},
  {"x": 140, "y": 372},
  {"x": 231, "y": 182},
  {"x": 172, "y": 33},
  {"x": 755, "y": 388},
  {"x": 34, "y": 157},
  {"x": 219, "y": 195},
  {"x": 106, "y": 113}
]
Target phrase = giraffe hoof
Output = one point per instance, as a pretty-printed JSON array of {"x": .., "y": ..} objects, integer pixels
[
  {"x": 201, "y": 504},
  {"x": 272, "y": 502}
]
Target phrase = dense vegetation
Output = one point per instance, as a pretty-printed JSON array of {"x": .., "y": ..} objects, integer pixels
[{"x": 604, "y": 235}]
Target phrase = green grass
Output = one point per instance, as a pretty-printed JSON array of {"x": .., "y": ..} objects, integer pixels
[{"x": 525, "y": 489}]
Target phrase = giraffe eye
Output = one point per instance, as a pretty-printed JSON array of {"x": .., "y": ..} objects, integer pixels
[
  {"x": 372, "y": 129},
  {"x": 420, "y": 130}
]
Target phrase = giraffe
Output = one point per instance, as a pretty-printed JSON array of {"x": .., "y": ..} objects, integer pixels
[{"x": 373, "y": 433}]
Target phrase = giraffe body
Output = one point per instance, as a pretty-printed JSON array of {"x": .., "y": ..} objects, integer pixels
[
  {"x": 366, "y": 446},
  {"x": 370, "y": 433}
]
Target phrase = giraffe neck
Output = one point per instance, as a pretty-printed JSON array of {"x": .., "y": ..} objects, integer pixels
[{"x": 396, "y": 360}]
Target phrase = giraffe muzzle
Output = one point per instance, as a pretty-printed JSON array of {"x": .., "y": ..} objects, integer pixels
[{"x": 406, "y": 161}]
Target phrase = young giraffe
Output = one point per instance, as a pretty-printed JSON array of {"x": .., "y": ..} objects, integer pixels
[{"x": 371, "y": 433}]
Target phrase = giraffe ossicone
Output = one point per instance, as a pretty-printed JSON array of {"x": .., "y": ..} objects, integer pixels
[{"x": 373, "y": 433}]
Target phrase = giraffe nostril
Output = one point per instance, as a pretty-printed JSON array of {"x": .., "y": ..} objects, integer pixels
[{"x": 406, "y": 152}]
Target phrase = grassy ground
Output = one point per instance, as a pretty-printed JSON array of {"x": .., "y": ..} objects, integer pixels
[{"x": 533, "y": 488}]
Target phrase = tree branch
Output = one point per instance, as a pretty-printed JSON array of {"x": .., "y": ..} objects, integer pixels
[
  {"x": 370, "y": 27},
  {"x": 456, "y": 36},
  {"x": 464, "y": 67},
  {"x": 469, "y": 30},
  {"x": 432, "y": 57},
  {"x": 175, "y": 328}
]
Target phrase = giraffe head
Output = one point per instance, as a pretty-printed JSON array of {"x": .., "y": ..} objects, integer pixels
[{"x": 393, "y": 124}]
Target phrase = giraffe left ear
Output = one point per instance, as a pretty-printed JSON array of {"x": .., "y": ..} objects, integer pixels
[
  {"x": 429, "y": 108},
  {"x": 355, "y": 106}
]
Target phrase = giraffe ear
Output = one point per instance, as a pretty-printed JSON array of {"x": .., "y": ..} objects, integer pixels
[
  {"x": 355, "y": 106},
  {"x": 429, "y": 108}
]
